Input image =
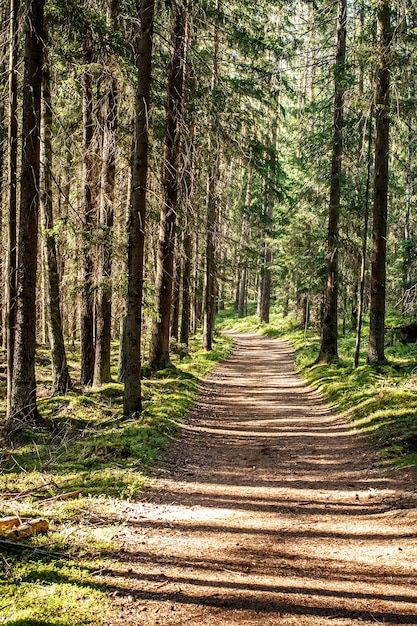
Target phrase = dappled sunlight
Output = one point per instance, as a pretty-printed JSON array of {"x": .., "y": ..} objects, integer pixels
[{"x": 269, "y": 509}]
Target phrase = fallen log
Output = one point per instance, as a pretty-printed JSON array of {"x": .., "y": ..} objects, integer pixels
[{"x": 29, "y": 529}]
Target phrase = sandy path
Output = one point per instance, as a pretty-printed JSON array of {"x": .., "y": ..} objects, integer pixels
[{"x": 269, "y": 512}]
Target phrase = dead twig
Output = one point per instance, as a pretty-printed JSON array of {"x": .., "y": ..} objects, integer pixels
[
  {"x": 61, "y": 496},
  {"x": 20, "y": 546}
]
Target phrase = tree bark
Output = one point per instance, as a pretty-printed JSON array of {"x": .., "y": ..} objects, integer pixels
[
  {"x": 159, "y": 348},
  {"x": 175, "y": 310},
  {"x": 106, "y": 219},
  {"x": 23, "y": 399},
  {"x": 132, "y": 400},
  {"x": 209, "y": 308},
  {"x": 61, "y": 381},
  {"x": 87, "y": 317},
  {"x": 376, "y": 354},
  {"x": 329, "y": 347},
  {"x": 364, "y": 248},
  {"x": 11, "y": 259},
  {"x": 3, "y": 144}
]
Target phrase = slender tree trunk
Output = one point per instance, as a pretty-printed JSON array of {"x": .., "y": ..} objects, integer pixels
[
  {"x": 209, "y": 307},
  {"x": 104, "y": 294},
  {"x": 23, "y": 401},
  {"x": 159, "y": 348},
  {"x": 60, "y": 375},
  {"x": 87, "y": 317},
  {"x": 187, "y": 242},
  {"x": 266, "y": 274},
  {"x": 376, "y": 355},
  {"x": 329, "y": 348},
  {"x": 3, "y": 144},
  {"x": 175, "y": 312},
  {"x": 186, "y": 288},
  {"x": 364, "y": 248},
  {"x": 210, "y": 261},
  {"x": 11, "y": 260},
  {"x": 244, "y": 242},
  {"x": 132, "y": 400},
  {"x": 198, "y": 285}
]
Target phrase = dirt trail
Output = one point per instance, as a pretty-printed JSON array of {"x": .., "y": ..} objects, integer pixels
[{"x": 269, "y": 512}]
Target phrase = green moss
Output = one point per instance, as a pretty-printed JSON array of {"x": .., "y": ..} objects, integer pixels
[{"x": 87, "y": 444}]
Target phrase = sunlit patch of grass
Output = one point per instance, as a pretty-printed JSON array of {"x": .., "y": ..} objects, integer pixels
[
  {"x": 48, "y": 593},
  {"x": 86, "y": 444}
]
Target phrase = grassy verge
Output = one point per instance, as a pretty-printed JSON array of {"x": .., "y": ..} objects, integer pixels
[
  {"x": 381, "y": 402},
  {"x": 86, "y": 445}
]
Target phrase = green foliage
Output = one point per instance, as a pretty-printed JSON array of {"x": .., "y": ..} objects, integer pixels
[{"x": 86, "y": 444}]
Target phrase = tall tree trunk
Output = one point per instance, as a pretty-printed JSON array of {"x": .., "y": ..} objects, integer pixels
[
  {"x": 209, "y": 307},
  {"x": 364, "y": 248},
  {"x": 187, "y": 242},
  {"x": 106, "y": 218},
  {"x": 23, "y": 401},
  {"x": 175, "y": 310},
  {"x": 60, "y": 375},
  {"x": 266, "y": 274},
  {"x": 244, "y": 242},
  {"x": 329, "y": 348},
  {"x": 11, "y": 259},
  {"x": 87, "y": 317},
  {"x": 186, "y": 287},
  {"x": 132, "y": 400},
  {"x": 210, "y": 258},
  {"x": 376, "y": 355},
  {"x": 159, "y": 348},
  {"x": 3, "y": 143}
]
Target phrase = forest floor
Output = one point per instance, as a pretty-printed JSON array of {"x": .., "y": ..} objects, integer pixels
[{"x": 269, "y": 510}]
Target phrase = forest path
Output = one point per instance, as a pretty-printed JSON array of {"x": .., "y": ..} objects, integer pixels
[{"x": 269, "y": 512}]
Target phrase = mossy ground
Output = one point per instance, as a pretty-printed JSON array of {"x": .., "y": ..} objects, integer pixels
[{"x": 85, "y": 444}]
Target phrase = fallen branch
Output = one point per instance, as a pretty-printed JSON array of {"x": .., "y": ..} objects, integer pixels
[
  {"x": 21, "y": 547},
  {"x": 25, "y": 494},
  {"x": 61, "y": 496}
]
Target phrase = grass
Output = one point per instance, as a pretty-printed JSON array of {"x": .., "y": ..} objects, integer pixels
[
  {"x": 87, "y": 445},
  {"x": 380, "y": 402}
]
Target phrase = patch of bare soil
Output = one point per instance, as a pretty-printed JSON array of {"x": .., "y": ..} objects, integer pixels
[{"x": 270, "y": 511}]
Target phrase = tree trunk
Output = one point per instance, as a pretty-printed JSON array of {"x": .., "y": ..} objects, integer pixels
[
  {"x": 23, "y": 401},
  {"x": 244, "y": 242},
  {"x": 11, "y": 260},
  {"x": 186, "y": 288},
  {"x": 209, "y": 307},
  {"x": 361, "y": 297},
  {"x": 175, "y": 312},
  {"x": 61, "y": 381},
  {"x": 104, "y": 293},
  {"x": 266, "y": 275},
  {"x": 3, "y": 144},
  {"x": 132, "y": 401},
  {"x": 87, "y": 318},
  {"x": 329, "y": 348},
  {"x": 159, "y": 348},
  {"x": 376, "y": 354}
]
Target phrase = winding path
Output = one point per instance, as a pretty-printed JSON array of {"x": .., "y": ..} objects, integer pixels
[{"x": 269, "y": 512}]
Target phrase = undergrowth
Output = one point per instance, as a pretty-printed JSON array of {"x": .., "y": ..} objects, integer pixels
[
  {"x": 86, "y": 445},
  {"x": 379, "y": 401}
]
